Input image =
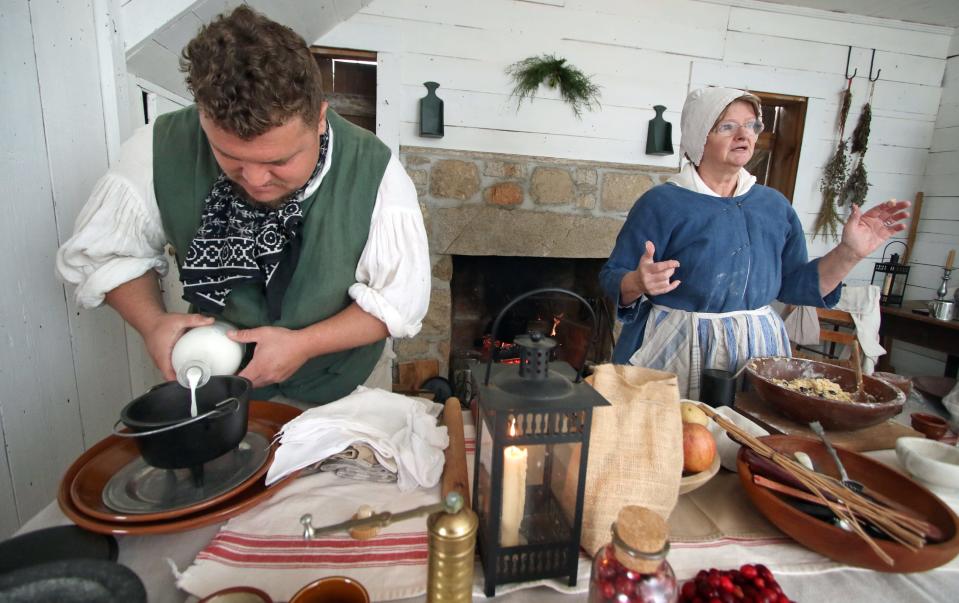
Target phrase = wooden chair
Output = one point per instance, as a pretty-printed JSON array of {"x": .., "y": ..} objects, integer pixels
[{"x": 836, "y": 329}]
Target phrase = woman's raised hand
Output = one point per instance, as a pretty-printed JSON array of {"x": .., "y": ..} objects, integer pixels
[
  {"x": 865, "y": 232},
  {"x": 649, "y": 278}
]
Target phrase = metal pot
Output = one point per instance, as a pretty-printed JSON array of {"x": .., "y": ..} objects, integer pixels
[
  {"x": 169, "y": 438},
  {"x": 941, "y": 309}
]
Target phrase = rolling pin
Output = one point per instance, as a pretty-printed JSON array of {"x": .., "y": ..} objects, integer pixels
[{"x": 455, "y": 476}]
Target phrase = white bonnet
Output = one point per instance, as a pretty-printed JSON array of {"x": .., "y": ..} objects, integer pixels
[{"x": 700, "y": 112}]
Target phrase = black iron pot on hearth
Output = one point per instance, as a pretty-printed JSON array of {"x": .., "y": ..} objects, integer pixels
[{"x": 169, "y": 438}]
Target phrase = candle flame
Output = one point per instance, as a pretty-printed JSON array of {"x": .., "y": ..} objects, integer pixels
[{"x": 512, "y": 428}]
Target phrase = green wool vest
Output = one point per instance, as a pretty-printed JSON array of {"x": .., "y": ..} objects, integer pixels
[{"x": 335, "y": 230}]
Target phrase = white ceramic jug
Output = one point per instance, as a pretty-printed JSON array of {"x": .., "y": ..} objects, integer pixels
[{"x": 208, "y": 349}]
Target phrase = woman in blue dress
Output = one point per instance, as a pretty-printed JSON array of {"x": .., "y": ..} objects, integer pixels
[{"x": 700, "y": 258}]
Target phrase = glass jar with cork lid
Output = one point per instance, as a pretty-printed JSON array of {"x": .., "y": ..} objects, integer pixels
[{"x": 632, "y": 566}]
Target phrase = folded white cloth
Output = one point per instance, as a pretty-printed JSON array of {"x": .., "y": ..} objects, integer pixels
[
  {"x": 862, "y": 303},
  {"x": 357, "y": 462},
  {"x": 401, "y": 431}
]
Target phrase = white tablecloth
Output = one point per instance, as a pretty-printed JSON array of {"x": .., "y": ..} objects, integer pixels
[{"x": 146, "y": 556}]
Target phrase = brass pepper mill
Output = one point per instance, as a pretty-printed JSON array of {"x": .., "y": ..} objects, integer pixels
[{"x": 452, "y": 543}]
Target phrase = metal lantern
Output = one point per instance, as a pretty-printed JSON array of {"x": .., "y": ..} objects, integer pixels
[
  {"x": 891, "y": 277},
  {"x": 533, "y": 422}
]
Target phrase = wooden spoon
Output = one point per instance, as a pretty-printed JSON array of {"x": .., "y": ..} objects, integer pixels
[{"x": 857, "y": 366}]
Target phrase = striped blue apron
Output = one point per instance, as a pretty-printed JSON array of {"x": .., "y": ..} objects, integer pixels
[{"x": 685, "y": 343}]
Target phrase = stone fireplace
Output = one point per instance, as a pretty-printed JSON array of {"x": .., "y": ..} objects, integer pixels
[{"x": 499, "y": 225}]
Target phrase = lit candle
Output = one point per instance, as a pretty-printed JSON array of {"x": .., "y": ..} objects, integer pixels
[{"x": 514, "y": 492}]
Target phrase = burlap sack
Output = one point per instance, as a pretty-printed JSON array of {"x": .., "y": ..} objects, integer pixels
[{"x": 635, "y": 448}]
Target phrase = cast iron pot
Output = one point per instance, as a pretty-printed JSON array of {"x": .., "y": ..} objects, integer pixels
[{"x": 169, "y": 438}]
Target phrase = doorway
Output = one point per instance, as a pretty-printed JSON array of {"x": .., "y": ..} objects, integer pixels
[{"x": 349, "y": 80}]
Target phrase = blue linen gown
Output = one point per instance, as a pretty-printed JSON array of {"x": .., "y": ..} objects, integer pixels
[{"x": 735, "y": 253}]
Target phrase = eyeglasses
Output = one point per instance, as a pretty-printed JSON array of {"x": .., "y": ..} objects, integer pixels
[{"x": 728, "y": 128}]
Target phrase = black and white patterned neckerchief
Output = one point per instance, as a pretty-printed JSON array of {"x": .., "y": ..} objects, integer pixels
[{"x": 238, "y": 243}]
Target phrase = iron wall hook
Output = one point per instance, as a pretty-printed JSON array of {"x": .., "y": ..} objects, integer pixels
[
  {"x": 856, "y": 70},
  {"x": 878, "y": 71}
]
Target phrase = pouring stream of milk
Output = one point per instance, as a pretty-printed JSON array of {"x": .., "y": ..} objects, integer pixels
[{"x": 193, "y": 376}]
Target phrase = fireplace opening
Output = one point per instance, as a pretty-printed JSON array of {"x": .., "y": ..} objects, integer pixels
[{"x": 483, "y": 285}]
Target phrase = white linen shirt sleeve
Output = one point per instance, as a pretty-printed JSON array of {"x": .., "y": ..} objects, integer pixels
[
  {"x": 393, "y": 274},
  {"x": 118, "y": 235}
]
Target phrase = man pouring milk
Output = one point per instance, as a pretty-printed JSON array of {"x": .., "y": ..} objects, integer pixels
[{"x": 287, "y": 221}]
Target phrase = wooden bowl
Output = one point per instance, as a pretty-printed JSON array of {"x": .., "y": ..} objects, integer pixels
[
  {"x": 833, "y": 414},
  {"x": 931, "y": 426},
  {"x": 332, "y": 589},
  {"x": 846, "y": 547}
]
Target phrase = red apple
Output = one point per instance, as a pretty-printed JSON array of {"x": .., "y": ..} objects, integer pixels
[{"x": 699, "y": 448}]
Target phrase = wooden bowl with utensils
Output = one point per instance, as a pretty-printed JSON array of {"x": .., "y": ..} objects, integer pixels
[{"x": 846, "y": 547}]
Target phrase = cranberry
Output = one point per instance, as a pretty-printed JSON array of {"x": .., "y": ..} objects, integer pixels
[
  {"x": 748, "y": 571},
  {"x": 608, "y": 590},
  {"x": 726, "y": 584},
  {"x": 760, "y": 583},
  {"x": 689, "y": 590},
  {"x": 624, "y": 585},
  {"x": 715, "y": 600},
  {"x": 738, "y": 592},
  {"x": 606, "y": 569}
]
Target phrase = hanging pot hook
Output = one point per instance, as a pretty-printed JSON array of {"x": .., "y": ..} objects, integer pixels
[
  {"x": 878, "y": 71},
  {"x": 856, "y": 70}
]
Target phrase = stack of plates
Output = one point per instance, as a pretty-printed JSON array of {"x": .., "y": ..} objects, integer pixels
[{"x": 110, "y": 489}]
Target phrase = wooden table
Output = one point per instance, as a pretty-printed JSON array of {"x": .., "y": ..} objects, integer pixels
[{"x": 918, "y": 329}]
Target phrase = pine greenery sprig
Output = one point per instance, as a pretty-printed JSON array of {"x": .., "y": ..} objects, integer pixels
[{"x": 575, "y": 87}]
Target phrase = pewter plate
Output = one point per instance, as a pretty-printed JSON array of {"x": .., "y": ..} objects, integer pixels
[{"x": 141, "y": 488}]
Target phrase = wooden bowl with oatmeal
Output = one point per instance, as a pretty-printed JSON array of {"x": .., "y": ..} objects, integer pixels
[{"x": 806, "y": 390}]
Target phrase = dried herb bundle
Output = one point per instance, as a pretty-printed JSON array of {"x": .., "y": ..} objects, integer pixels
[
  {"x": 831, "y": 185},
  {"x": 844, "y": 106},
  {"x": 856, "y": 186},
  {"x": 860, "y": 136},
  {"x": 574, "y": 86}
]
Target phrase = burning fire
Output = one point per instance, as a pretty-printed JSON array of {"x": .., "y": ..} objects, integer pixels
[{"x": 556, "y": 320}]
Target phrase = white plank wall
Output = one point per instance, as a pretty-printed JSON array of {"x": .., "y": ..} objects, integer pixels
[
  {"x": 653, "y": 52},
  {"x": 64, "y": 372}
]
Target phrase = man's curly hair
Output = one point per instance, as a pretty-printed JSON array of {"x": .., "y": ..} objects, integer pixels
[{"x": 249, "y": 74}]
